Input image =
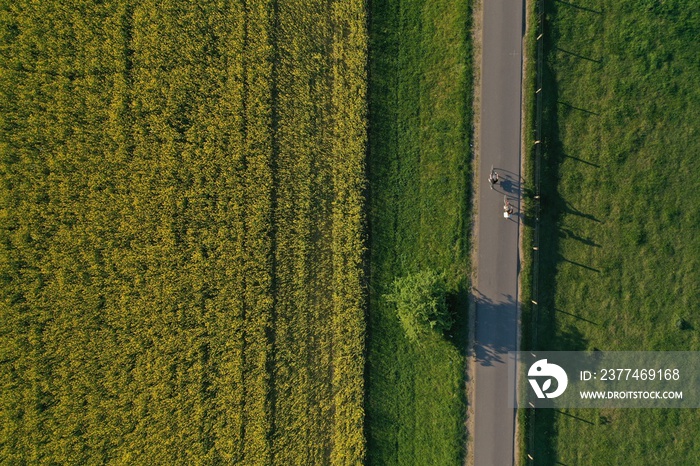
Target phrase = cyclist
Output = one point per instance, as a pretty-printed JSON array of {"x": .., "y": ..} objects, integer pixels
[
  {"x": 493, "y": 177},
  {"x": 507, "y": 208}
]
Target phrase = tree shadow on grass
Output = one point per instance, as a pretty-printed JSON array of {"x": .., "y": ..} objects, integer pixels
[
  {"x": 576, "y": 316},
  {"x": 580, "y": 109},
  {"x": 569, "y": 208},
  {"x": 578, "y": 418},
  {"x": 554, "y": 330},
  {"x": 578, "y": 55},
  {"x": 579, "y": 7},
  {"x": 568, "y": 233},
  {"x": 582, "y": 161},
  {"x": 458, "y": 306},
  {"x": 578, "y": 264}
]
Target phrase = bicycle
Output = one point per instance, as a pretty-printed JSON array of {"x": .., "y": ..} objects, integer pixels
[
  {"x": 493, "y": 177},
  {"x": 507, "y": 208}
]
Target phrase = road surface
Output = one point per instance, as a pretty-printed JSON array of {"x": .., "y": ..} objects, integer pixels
[{"x": 496, "y": 289}]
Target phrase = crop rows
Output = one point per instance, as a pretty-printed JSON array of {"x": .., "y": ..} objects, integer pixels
[{"x": 182, "y": 232}]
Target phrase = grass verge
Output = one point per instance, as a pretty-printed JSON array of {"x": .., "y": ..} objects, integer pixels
[
  {"x": 527, "y": 308},
  {"x": 619, "y": 249},
  {"x": 420, "y": 126}
]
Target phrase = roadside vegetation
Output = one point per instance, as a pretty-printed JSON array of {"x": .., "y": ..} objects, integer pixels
[
  {"x": 619, "y": 242},
  {"x": 181, "y": 232},
  {"x": 419, "y": 158}
]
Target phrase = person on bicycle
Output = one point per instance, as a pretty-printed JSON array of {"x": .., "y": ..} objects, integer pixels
[
  {"x": 507, "y": 208},
  {"x": 493, "y": 178}
]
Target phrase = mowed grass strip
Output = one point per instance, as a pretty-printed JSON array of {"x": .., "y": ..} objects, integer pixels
[
  {"x": 620, "y": 245},
  {"x": 419, "y": 153}
]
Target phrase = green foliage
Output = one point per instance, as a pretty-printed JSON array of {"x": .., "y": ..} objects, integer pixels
[
  {"x": 421, "y": 303},
  {"x": 619, "y": 242},
  {"x": 181, "y": 232}
]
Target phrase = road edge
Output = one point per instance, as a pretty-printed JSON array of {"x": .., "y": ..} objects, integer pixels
[
  {"x": 525, "y": 234},
  {"x": 476, "y": 36}
]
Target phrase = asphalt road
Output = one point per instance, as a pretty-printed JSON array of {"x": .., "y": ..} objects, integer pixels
[{"x": 497, "y": 318}]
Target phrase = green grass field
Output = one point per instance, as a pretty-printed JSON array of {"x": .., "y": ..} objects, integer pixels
[
  {"x": 420, "y": 128},
  {"x": 620, "y": 245}
]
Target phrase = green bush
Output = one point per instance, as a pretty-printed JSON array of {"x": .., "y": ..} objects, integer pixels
[{"x": 421, "y": 303}]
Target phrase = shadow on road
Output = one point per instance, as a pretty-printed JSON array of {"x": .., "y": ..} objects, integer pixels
[
  {"x": 495, "y": 337},
  {"x": 510, "y": 183}
]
